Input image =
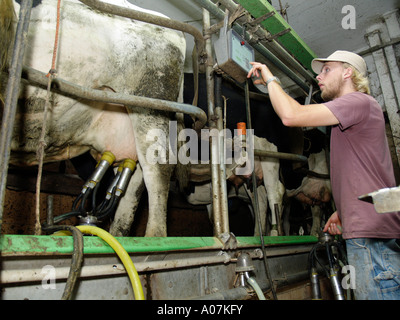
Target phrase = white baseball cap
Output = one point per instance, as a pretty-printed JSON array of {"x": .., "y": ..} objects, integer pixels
[{"x": 341, "y": 56}]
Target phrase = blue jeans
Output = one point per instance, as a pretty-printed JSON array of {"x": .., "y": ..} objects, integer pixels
[{"x": 377, "y": 268}]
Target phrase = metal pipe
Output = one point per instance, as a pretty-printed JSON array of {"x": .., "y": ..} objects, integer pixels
[
  {"x": 150, "y": 18},
  {"x": 219, "y": 14},
  {"x": 279, "y": 155},
  {"x": 65, "y": 87},
  {"x": 256, "y": 203},
  {"x": 12, "y": 91},
  {"x": 32, "y": 275},
  {"x": 222, "y": 165},
  {"x": 220, "y": 222}
]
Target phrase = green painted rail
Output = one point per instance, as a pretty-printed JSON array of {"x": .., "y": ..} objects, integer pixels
[
  {"x": 276, "y": 24},
  {"x": 45, "y": 245}
]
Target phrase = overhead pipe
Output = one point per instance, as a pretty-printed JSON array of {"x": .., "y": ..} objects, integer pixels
[
  {"x": 261, "y": 33},
  {"x": 65, "y": 87},
  {"x": 219, "y": 14},
  {"x": 11, "y": 99},
  {"x": 149, "y": 18}
]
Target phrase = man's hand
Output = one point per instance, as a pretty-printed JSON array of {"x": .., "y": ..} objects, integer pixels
[
  {"x": 260, "y": 73},
  {"x": 333, "y": 225}
]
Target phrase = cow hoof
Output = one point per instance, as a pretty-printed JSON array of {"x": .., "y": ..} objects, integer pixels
[{"x": 274, "y": 233}]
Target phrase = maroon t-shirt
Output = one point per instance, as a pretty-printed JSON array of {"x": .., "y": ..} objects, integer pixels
[{"x": 360, "y": 164}]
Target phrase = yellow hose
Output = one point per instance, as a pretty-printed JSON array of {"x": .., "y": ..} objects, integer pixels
[{"x": 122, "y": 254}]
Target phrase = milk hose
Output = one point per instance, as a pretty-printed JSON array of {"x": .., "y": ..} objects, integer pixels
[
  {"x": 251, "y": 281},
  {"x": 122, "y": 254},
  {"x": 77, "y": 257}
]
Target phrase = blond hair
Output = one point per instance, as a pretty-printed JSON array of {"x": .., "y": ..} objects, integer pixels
[{"x": 360, "y": 82}]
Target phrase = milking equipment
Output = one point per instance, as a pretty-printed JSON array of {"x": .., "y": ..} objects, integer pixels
[
  {"x": 336, "y": 256},
  {"x": 233, "y": 53},
  {"x": 233, "y": 57},
  {"x": 244, "y": 268},
  {"x": 89, "y": 212}
]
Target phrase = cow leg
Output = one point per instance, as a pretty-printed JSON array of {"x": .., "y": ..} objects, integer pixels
[
  {"x": 157, "y": 182},
  {"x": 128, "y": 204},
  {"x": 275, "y": 190},
  {"x": 286, "y": 215},
  {"x": 316, "y": 218},
  {"x": 152, "y": 145},
  {"x": 262, "y": 208}
]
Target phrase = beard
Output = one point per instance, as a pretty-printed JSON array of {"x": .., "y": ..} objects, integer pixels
[{"x": 333, "y": 91}]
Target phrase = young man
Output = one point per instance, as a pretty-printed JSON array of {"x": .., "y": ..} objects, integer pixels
[{"x": 360, "y": 164}]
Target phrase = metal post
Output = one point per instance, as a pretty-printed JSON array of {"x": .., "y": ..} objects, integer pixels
[
  {"x": 222, "y": 156},
  {"x": 221, "y": 222},
  {"x": 12, "y": 91}
]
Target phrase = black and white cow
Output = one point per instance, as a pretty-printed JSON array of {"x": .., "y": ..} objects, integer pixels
[{"x": 104, "y": 52}]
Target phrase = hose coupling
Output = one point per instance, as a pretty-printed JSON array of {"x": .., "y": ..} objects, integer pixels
[
  {"x": 244, "y": 266},
  {"x": 104, "y": 163},
  {"x": 128, "y": 169}
]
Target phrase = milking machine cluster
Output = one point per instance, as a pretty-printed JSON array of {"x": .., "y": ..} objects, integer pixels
[
  {"x": 85, "y": 205},
  {"x": 336, "y": 256}
]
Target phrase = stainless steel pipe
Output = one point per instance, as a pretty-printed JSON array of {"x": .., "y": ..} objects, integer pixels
[
  {"x": 63, "y": 86},
  {"x": 11, "y": 99}
]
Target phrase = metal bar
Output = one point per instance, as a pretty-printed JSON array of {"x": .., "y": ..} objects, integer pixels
[
  {"x": 220, "y": 220},
  {"x": 280, "y": 155},
  {"x": 34, "y": 275},
  {"x": 222, "y": 165},
  {"x": 12, "y": 91},
  {"x": 65, "y": 87}
]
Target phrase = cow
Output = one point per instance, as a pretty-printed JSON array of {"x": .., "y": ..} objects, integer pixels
[
  {"x": 104, "y": 52},
  {"x": 315, "y": 189},
  {"x": 269, "y": 194}
]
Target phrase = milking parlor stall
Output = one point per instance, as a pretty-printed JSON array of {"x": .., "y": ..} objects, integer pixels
[{"x": 139, "y": 162}]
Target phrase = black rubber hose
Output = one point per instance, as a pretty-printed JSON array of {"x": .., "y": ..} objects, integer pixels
[{"x": 77, "y": 258}]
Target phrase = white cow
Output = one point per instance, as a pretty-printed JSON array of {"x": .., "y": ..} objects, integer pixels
[
  {"x": 270, "y": 194},
  {"x": 314, "y": 190},
  {"x": 104, "y": 52}
]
